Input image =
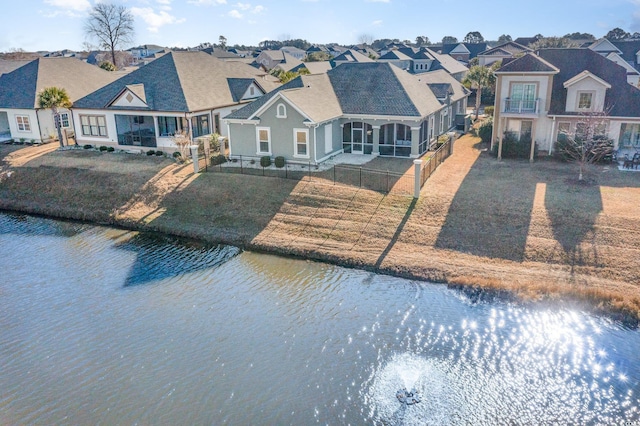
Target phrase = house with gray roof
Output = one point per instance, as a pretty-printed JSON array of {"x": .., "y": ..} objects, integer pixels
[
  {"x": 277, "y": 59},
  {"x": 506, "y": 50},
  {"x": 20, "y": 115},
  {"x": 545, "y": 95},
  {"x": 625, "y": 53},
  {"x": 359, "y": 108},
  {"x": 180, "y": 91},
  {"x": 423, "y": 59}
]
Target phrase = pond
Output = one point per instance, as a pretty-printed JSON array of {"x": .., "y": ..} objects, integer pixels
[{"x": 101, "y": 325}]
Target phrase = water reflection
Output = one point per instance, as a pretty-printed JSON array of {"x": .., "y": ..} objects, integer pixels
[{"x": 224, "y": 337}]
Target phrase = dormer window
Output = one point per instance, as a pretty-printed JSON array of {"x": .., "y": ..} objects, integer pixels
[
  {"x": 281, "y": 111},
  {"x": 585, "y": 100},
  {"x": 251, "y": 91}
]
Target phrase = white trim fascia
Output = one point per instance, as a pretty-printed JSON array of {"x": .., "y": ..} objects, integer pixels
[
  {"x": 585, "y": 74},
  {"x": 240, "y": 121},
  {"x": 382, "y": 117},
  {"x": 273, "y": 99},
  {"x": 604, "y": 41},
  {"x": 607, "y": 117}
]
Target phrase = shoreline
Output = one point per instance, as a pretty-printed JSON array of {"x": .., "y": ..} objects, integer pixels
[
  {"x": 461, "y": 232},
  {"x": 475, "y": 293}
]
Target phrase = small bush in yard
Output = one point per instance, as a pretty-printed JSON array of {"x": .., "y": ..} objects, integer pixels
[
  {"x": 279, "y": 162},
  {"x": 159, "y": 153},
  {"x": 103, "y": 148},
  {"x": 218, "y": 159},
  {"x": 177, "y": 155},
  {"x": 489, "y": 111},
  {"x": 265, "y": 161},
  {"x": 110, "y": 149},
  {"x": 87, "y": 146},
  {"x": 485, "y": 130},
  {"x": 151, "y": 152}
]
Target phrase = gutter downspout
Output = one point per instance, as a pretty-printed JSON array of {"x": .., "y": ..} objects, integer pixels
[
  {"x": 553, "y": 131},
  {"x": 315, "y": 145}
]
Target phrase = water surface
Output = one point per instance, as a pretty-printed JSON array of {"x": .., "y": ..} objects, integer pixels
[{"x": 105, "y": 326}]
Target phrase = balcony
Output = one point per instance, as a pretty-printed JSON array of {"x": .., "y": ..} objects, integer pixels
[{"x": 521, "y": 107}]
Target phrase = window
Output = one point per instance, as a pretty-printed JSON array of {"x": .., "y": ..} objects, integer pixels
[
  {"x": 169, "y": 126},
  {"x": 432, "y": 124},
  {"x": 251, "y": 91},
  {"x": 301, "y": 143},
  {"x": 23, "y": 123},
  {"x": 630, "y": 135},
  {"x": 93, "y": 125},
  {"x": 200, "y": 125},
  {"x": 64, "y": 117},
  {"x": 564, "y": 128},
  {"x": 523, "y": 98},
  {"x": 138, "y": 130},
  {"x": 263, "y": 136},
  {"x": 281, "y": 111},
  {"x": 585, "y": 100}
]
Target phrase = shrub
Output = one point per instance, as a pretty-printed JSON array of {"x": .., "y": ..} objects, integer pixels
[
  {"x": 110, "y": 149},
  {"x": 33, "y": 141},
  {"x": 489, "y": 111},
  {"x": 568, "y": 149},
  {"x": 252, "y": 161},
  {"x": 177, "y": 155},
  {"x": 22, "y": 140},
  {"x": 485, "y": 130},
  {"x": 87, "y": 146},
  {"x": 279, "y": 162},
  {"x": 516, "y": 147},
  {"x": 265, "y": 161},
  {"x": 159, "y": 153},
  {"x": 103, "y": 148},
  {"x": 151, "y": 152},
  {"x": 218, "y": 159}
]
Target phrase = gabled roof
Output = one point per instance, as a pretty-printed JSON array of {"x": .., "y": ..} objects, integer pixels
[
  {"x": 375, "y": 89},
  {"x": 183, "y": 82},
  {"x": 629, "y": 51},
  {"x": 20, "y": 88},
  {"x": 238, "y": 87},
  {"x": 603, "y": 46},
  {"x": 473, "y": 48},
  {"x": 526, "y": 41},
  {"x": 447, "y": 63},
  {"x": 509, "y": 48},
  {"x": 6, "y": 66},
  {"x": 138, "y": 90},
  {"x": 621, "y": 100},
  {"x": 615, "y": 57},
  {"x": 319, "y": 67},
  {"x": 395, "y": 54},
  {"x": 527, "y": 63},
  {"x": 585, "y": 75},
  {"x": 351, "y": 56},
  {"x": 441, "y": 79}
]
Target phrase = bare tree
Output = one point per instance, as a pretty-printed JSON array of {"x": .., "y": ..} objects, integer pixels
[
  {"x": 182, "y": 141},
  {"x": 588, "y": 144},
  {"x": 111, "y": 25},
  {"x": 365, "y": 39}
]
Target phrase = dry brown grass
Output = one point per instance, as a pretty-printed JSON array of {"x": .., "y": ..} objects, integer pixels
[{"x": 520, "y": 230}]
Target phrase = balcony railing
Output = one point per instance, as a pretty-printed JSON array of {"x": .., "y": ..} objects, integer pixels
[{"x": 516, "y": 106}]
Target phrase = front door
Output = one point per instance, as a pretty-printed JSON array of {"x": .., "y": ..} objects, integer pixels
[{"x": 356, "y": 147}]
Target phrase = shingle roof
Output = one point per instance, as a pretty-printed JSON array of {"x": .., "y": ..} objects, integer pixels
[
  {"x": 442, "y": 77},
  {"x": 6, "y": 66},
  {"x": 622, "y": 100},
  {"x": 508, "y": 48},
  {"x": 527, "y": 63},
  {"x": 447, "y": 63},
  {"x": 238, "y": 87},
  {"x": 378, "y": 89},
  {"x": 20, "y": 88},
  {"x": 474, "y": 48},
  {"x": 182, "y": 81},
  {"x": 351, "y": 56},
  {"x": 629, "y": 50}
]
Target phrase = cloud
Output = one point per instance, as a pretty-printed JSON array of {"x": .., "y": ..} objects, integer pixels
[
  {"x": 378, "y": 1},
  {"x": 377, "y": 23},
  {"x": 235, "y": 14},
  {"x": 243, "y": 6},
  {"x": 155, "y": 20},
  {"x": 206, "y": 2},
  {"x": 70, "y": 5},
  {"x": 258, "y": 9}
]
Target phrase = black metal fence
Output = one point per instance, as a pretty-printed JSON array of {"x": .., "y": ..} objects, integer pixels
[
  {"x": 431, "y": 164},
  {"x": 341, "y": 174}
]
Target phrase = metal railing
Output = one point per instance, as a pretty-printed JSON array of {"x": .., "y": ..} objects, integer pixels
[
  {"x": 519, "y": 106},
  {"x": 431, "y": 164}
]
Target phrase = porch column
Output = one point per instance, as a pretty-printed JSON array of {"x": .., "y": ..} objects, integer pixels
[
  {"x": 415, "y": 142},
  {"x": 500, "y": 136},
  {"x": 376, "y": 140},
  {"x": 533, "y": 143}
]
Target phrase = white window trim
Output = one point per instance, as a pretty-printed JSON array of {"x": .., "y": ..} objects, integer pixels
[
  {"x": 295, "y": 142},
  {"x": 284, "y": 109},
  {"x": 593, "y": 100},
  {"x": 24, "y": 128},
  {"x": 258, "y": 129},
  {"x": 97, "y": 116}
]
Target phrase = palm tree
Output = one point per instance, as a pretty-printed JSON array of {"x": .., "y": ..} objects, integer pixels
[
  {"x": 478, "y": 78},
  {"x": 55, "y": 98}
]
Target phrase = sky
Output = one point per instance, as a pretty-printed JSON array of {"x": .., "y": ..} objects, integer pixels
[{"x": 48, "y": 25}]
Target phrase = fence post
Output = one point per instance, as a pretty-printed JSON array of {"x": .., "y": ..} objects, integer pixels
[
  {"x": 194, "y": 157},
  {"x": 286, "y": 171},
  {"x": 360, "y": 177},
  {"x": 334, "y": 174},
  {"x": 388, "y": 181},
  {"x": 309, "y": 171},
  {"x": 417, "y": 166},
  {"x": 241, "y": 166}
]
